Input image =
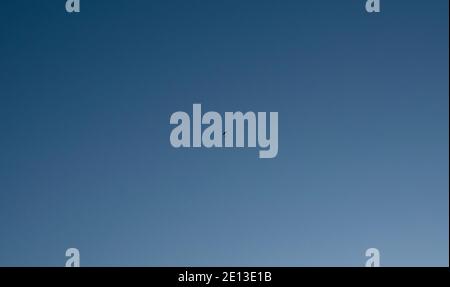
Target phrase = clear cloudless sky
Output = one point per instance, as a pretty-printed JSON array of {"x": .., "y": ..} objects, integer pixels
[{"x": 86, "y": 161}]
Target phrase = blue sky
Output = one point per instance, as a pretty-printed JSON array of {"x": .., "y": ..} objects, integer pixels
[{"x": 86, "y": 162}]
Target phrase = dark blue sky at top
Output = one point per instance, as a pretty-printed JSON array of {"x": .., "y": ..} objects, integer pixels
[{"x": 86, "y": 162}]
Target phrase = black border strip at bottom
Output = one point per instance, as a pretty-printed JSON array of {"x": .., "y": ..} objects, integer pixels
[{"x": 225, "y": 276}]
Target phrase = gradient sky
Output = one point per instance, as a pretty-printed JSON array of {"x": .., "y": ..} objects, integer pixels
[{"x": 86, "y": 162}]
